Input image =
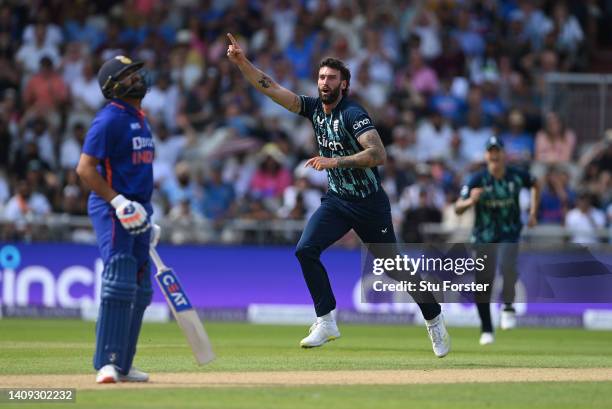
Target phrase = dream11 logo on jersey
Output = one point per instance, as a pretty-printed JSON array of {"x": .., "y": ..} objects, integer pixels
[
  {"x": 142, "y": 150},
  {"x": 75, "y": 286}
]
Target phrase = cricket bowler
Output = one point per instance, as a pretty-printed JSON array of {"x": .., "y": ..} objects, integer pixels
[
  {"x": 350, "y": 150},
  {"x": 494, "y": 192},
  {"x": 116, "y": 163}
]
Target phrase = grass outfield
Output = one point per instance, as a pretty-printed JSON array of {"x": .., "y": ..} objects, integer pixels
[{"x": 66, "y": 347}]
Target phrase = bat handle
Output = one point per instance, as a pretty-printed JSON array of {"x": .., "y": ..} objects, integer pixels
[{"x": 156, "y": 259}]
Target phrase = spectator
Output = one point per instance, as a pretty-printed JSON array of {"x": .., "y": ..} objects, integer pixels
[
  {"x": 70, "y": 151},
  {"x": 584, "y": 222},
  {"x": 46, "y": 92},
  {"x": 433, "y": 137},
  {"x": 422, "y": 78},
  {"x": 30, "y": 54},
  {"x": 162, "y": 101},
  {"x": 414, "y": 218},
  {"x": 518, "y": 143},
  {"x": 271, "y": 178},
  {"x": 182, "y": 187},
  {"x": 568, "y": 30},
  {"x": 555, "y": 143},
  {"x": 474, "y": 136},
  {"x": 85, "y": 90},
  {"x": 301, "y": 199},
  {"x": 557, "y": 197},
  {"x": 73, "y": 198},
  {"x": 452, "y": 107},
  {"x": 26, "y": 206},
  {"x": 38, "y": 132},
  {"x": 218, "y": 196},
  {"x": 469, "y": 40},
  {"x": 404, "y": 149}
]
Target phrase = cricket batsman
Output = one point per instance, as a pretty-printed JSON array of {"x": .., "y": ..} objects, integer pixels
[
  {"x": 494, "y": 192},
  {"x": 116, "y": 163},
  {"x": 350, "y": 150}
]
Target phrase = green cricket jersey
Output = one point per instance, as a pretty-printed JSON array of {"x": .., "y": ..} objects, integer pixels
[
  {"x": 498, "y": 215},
  {"x": 337, "y": 135}
]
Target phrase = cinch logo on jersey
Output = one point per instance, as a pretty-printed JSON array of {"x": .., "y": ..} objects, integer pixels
[
  {"x": 357, "y": 125},
  {"x": 169, "y": 282},
  {"x": 331, "y": 145}
]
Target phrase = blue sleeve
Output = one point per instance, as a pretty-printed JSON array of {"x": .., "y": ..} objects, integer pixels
[
  {"x": 309, "y": 104},
  {"x": 358, "y": 121},
  {"x": 97, "y": 139},
  {"x": 474, "y": 181}
]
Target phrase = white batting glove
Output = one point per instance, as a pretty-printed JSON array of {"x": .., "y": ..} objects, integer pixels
[
  {"x": 132, "y": 215},
  {"x": 155, "y": 234}
]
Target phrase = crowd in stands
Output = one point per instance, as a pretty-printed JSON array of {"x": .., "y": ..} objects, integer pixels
[{"x": 438, "y": 78}]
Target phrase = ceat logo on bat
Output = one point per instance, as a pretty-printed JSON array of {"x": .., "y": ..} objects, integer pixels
[{"x": 174, "y": 291}]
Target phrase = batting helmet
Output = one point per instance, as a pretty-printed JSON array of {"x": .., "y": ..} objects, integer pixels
[{"x": 113, "y": 71}]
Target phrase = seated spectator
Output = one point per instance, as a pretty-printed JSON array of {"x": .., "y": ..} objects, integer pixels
[
  {"x": 218, "y": 196},
  {"x": 162, "y": 101},
  {"x": 422, "y": 78},
  {"x": 474, "y": 136},
  {"x": 182, "y": 187},
  {"x": 492, "y": 105},
  {"x": 448, "y": 104},
  {"x": 433, "y": 137},
  {"x": 26, "y": 205},
  {"x": 555, "y": 143},
  {"x": 85, "y": 90},
  {"x": 169, "y": 148},
  {"x": 301, "y": 199},
  {"x": 31, "y": 53},
  {"x": 414, "y": 218},
  {"x": 271, "y": 178},
  {"x": 518, "y": 143},
  {"x": 404, "y": 149},
  {"x": 411, "y": 196},
  {"x": 557, "y": 197},
  {"x": 73, "y": 198},
  {"x": 70, "y": 150},
  {"x": 585, "y": 221},
  {"x": 38, "y": 132},
  {"x": 46, "y": 90}
]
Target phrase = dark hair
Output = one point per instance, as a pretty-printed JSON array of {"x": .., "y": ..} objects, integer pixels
[{"x": 336, "y": 64}]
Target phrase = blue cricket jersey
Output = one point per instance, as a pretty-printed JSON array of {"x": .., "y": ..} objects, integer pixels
[
  {"x": 120, "y": 137},
  {"x": 337, "y": 134}
]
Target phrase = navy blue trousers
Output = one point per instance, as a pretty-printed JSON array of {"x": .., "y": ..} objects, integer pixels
[{"x": 370, "y": 218}]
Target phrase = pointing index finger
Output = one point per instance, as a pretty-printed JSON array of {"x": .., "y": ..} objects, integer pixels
[{"x": 232, "y": 39}]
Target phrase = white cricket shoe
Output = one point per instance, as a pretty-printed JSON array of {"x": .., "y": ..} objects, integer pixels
[
  {"x": 440, "y": 340},
  {"x": 135, "y": 375},
  {"x": 321, "y": 331},
  {"x": 487, "y": 338},
  {"x": 107, "y": 374},
  {"x": 508, "y": 319}
]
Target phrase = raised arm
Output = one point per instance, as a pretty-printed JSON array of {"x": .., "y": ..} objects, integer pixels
[
  {"x": 260, "y": 79},
  {"x": 373, "y": 154}
]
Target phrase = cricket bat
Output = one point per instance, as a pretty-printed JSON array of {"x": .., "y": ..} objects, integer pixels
[{"x": 183, "y": 312}]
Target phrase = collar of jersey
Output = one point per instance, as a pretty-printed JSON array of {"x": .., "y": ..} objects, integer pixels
[
  {"x": 127, "y": 107},
  {"x": 337, "y": 107}
]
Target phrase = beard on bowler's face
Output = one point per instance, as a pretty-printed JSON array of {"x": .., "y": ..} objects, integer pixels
[{"x": 328, "y": 94}]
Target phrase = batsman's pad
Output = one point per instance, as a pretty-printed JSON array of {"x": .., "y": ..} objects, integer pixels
[
  {"x": 144, "y": 295},
  {"x": 113, "y": 326}
]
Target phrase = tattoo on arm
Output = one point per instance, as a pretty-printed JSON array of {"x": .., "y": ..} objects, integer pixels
[
  {"x": 296, "y": 105},
  {"x": 373, "y": 153},
  {"x": 265, "y": 81}
]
